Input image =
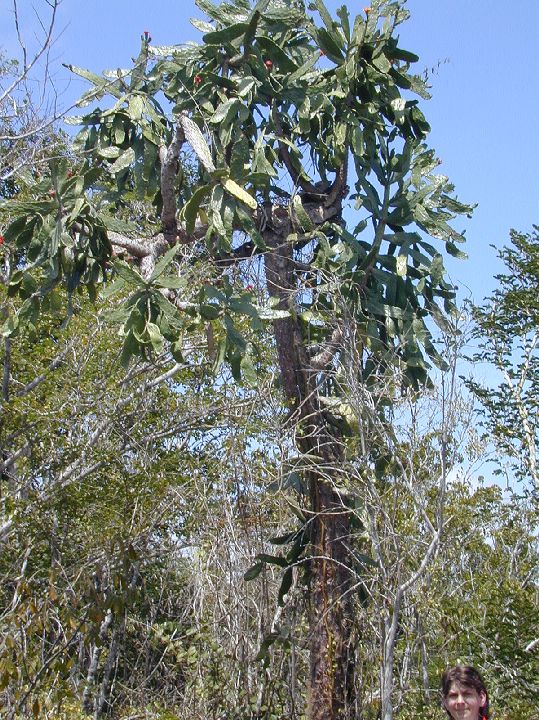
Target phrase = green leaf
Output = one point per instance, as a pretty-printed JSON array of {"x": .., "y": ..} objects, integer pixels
[
  {"x": 404, "y": 55},
  {"x": 155, "y": 337},
  {"x": 285, "y": 585},
  {"x": 171, "y": 282},
  {"x": 222, "y": 111},
  {"x": 113, "y": 288},
  {"x": 344, "y": 16},
  {"x": 275, "y": 53},
  {"x": 116, "y": 225},
  {"x": 130, "y": 347},
  {"x": 97, "y": 80},
  {"x": 124, "y": 161},
  {"x": 253, "y": 22},
  {"x": 272, "y": 560},
  {"x": 191, "y": 208},
  {"x": 109, "y": 152},
  {"x": 328, "y": 43},
  {"x": 226, "y": 35},
  {"x": 136, "y": 107},
  {"x": 303, "y": 218},
  {"x": 246, "y": 85},
  {"x": 292, "y": 78},
  {"x": 202, "y": 25},
  {"x": 209, "y": 311},
  {"x": 248, "y": 370},
  {"x": 126, "y": 273},
  {"x": 233, "y": 334},
  {"x": 163, "y": 263},
  {"x": 197, "y": 141},
  {"x": 220, "y": 358},
  {"x": 254, "y": 571},
  {"x": 234, "y": 189},
  {"x": 324, "y": 14},
  {"x": 453, "y": 250}
]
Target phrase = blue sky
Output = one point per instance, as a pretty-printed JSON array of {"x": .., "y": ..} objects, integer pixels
[{"x": 483, "y": 113}]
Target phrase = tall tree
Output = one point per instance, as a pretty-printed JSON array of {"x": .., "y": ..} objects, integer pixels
[{"x": 312, "y": 163}]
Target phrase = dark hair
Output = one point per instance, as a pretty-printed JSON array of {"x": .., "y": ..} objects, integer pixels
[{"x": 469, "y": 677}]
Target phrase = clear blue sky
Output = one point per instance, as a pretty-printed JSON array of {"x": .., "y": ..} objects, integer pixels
[{"x": 483, "y": 113}]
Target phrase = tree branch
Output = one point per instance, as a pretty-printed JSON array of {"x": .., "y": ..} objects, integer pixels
[{"x": 169, "y": 168}]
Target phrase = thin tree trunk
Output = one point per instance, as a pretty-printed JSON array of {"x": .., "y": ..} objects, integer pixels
[
  {"x": 424, "y": 661},
  {"x": 391, "y": 624},
  {"x": 104, "y": 688},
  {"x": 88, "y": 704}
]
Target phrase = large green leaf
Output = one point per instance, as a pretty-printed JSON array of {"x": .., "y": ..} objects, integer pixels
[{"x": 226, "y": 35}]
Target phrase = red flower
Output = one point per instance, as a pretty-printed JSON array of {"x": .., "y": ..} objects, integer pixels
[
  {"x": 247, "y": 287},
  {"x": 268, "y": 64},
  {"x": 70, "y": 173},
  {"x": 198, "y": 79},
  {"x": 366, "y": 10}
]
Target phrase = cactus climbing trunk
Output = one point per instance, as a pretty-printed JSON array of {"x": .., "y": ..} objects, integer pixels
[
  {"x": 331, "y": 681},
  {"x": 331, "y": 652}
]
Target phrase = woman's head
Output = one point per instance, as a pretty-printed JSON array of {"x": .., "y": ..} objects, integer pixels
[{"x": 464, "y": 695}]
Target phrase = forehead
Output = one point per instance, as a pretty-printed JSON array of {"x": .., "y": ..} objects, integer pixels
[{"x": 455, "y": 687}]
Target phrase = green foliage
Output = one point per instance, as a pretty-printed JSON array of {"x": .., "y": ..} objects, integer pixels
[
  {"x": 507, "y": 329},
  {"x": 256, "y": 98}
]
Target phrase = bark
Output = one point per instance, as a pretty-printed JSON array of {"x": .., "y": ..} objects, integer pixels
[
  {"x": 105, "y": 687},
  {"x": 331, "y": 668},
  {"x": 331, "y": 691},
  {"x": 390, "y": 628},
  {"x": 88, "y": 703}
]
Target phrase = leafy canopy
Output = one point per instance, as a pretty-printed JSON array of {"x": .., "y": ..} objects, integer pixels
[{"x": 302, "y": 127}]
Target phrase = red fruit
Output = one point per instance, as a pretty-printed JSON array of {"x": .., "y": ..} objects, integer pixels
[
  {"x": 198, "y": 79},
  {"x": 52, "y": 193},
  {"x": 1, "y": 239},
  {"x": 70, "y": 173},
  {"x": 268, "y": 64},
  {"x": 249, "y": 288}
]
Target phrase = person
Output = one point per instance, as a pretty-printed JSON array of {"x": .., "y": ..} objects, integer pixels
[{"x": 464, "y": 694}]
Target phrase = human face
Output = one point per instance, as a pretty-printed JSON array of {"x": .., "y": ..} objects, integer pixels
[{"x": 463, "y": 702}]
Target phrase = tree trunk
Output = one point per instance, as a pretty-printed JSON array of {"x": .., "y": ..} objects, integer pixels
[
  {"x": 331, "y": 681},
  {"x": 88, "y": 700},
  {"x": 331, "y": 693}
]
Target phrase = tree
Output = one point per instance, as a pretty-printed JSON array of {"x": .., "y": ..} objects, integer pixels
[
  {"x": 282, "y": 114},
  {"x": 111, "y": 487},
  {"x": 482, "y": 594},
  {"x": 28, "y": 119},
  {"x": 507, "y": 328}
]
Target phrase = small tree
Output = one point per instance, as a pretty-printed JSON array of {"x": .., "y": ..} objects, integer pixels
[
  {"x": 311, "y": 162},
  {"x": 507, "y": 327}
]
